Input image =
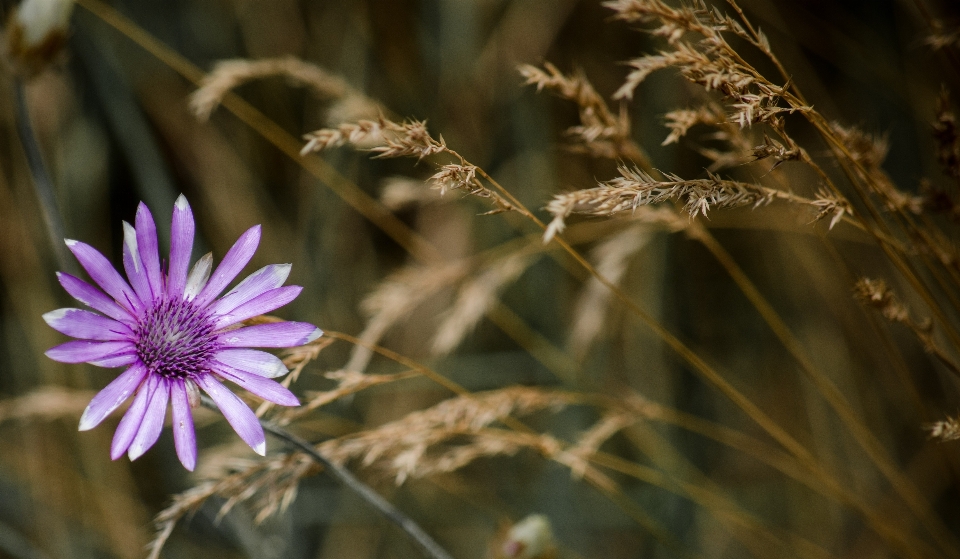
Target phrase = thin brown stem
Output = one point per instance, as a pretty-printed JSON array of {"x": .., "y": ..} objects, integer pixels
[{"x": 861, "y": 433}]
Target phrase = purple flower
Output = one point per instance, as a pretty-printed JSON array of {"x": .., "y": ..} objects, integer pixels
[{"x": 175, "y": 336}]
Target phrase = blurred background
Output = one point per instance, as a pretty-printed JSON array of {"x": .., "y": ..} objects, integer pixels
[{"x": 114, "y": 126}]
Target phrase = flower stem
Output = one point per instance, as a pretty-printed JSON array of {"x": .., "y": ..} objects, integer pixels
[
  {"x": 41, "y": 179},
  {"x": 427, "y": 544}
]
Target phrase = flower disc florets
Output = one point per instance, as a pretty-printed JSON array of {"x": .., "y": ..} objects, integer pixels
[
  {"x": 175, "y": 336},
  {"x": 175, "y": 339}
]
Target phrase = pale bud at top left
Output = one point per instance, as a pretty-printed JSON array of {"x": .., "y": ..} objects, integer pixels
[{"x": 36, "y": 32}]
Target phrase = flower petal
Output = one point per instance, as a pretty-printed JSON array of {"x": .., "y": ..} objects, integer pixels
[
  {"x": 269, "y": 390},
  {"x": 152, "y": 423},
  {"x": 184, "y": 438},
  {"x": 198, "y": 276},
  {"x": 112, "y": 396},
  {"x": 149, "y": 253},
  {"x": 86, "y": 325},
  {"x": 264, "y": 279},
  {"x": 181, "y": 245},
  {"x": 103, "y": 273},
  {"x": 243, "y": 421},
  {"x": 130, "y": 424},
  {"x": 236, "y": 258},
  {"x": 119, "y": 359},
  {"x": 278, "y": 334},
  {"x": 266, "y": 302},
  {"x": 82, "y": 351},
  {"x": 133, "y": 265},
  {"x": 252, "y": 361},
  {"x": 93, "y": 298}
]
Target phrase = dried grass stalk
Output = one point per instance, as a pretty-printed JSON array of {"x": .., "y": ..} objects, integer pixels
[
  {"x": 382, "y": 136},
  {"x": 780, "y": 153},
  {"x": 463, "y": 177},
  {"x": 869, "y": 151},
  {"x": 227, "y": 75},
  {"x": 47, "y": 403},
  {"x": 396, "y": 297},
  {"x": 611, "y": 258},
  {"x": 601, "y": 133},
  {"x": 947, "y": 137},
  {"x": 578, "y": 456},
  {"x": 876, "y": 294},
  {"x": 739, "y": 147},
  {"x": 403, "y": 447},
  {"x": 294, "y": 358},
  {"x": 943, "y": 39},
  {"x": 476, "y": 297},
  {"x": 440, "y": 439},
  {"x": 397, "y": 193},
  {"x": 946, "y": 430},
  {"x": 349, "y": 382},
  {"x": 681, "y": 121},
  {"x": 389, "y": 139},
  {"x": 269, "y": 485},
  {"x": 829, "y": 204},
  {"x": 710, "y": 62},
  {"x": 635, "y": 188}
]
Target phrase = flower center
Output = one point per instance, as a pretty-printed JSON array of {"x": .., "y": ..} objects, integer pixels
[{"x": 175, "y": 339}]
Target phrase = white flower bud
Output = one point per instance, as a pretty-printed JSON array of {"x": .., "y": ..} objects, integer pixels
[
  {"x": 36, "y": 32},
  {"x": 531, "y": 538}
]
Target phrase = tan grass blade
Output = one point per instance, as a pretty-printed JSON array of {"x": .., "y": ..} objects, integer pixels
[{"x": 475, "y": 298}]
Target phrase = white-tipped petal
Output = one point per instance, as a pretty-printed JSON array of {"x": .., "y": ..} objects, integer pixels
[
  {"x": 264, "y": 279},
  {"x": 182, "y": 229},
  {"x": 198, "y": 276},
  {"x": 133, "y": 264},
  {"x": 110, "y": 398},
  {"x": 252, "y": 361},
  {"x": 130, "y": 241}
]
